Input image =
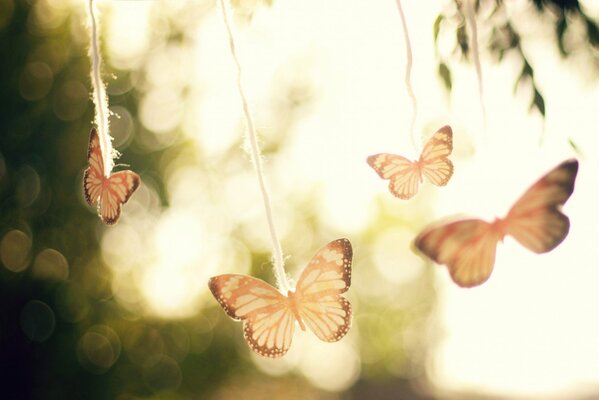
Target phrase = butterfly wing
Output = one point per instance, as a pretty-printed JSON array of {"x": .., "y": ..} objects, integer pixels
[
  {"x": 403, "y": 174},
  {"x": 466, "y": 247},
  {"x": 433, "y": 161},
  {"x": 268, "y": 321},
  {"x": 319, "y": 288},
  {"x": 93, "y": 177},
  {"x": 536, "y": 220},
  {"x": 115, "y": 193}
]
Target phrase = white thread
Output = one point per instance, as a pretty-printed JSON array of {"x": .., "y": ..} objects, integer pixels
[
  {"x": 280, "y": 275},
  {"x": 408, "y": 76},
  {"x": 99, "y": 94},
  {"x": 475, "y": 55}
]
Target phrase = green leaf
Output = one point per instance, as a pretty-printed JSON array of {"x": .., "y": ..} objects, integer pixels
[
  {"x": 592, "y": 31},
  {"x": 525, "y": 73},
  {"x": 539, "y": 4},
  {"x": 560, "y": 29},
  {"x": 575, "y": 147},
  {"x": 445, "y": 74},
  {"x": 437, "y": 26},
  {"x": 462, "y": 38},
  {"x": 538, "y": 102}
]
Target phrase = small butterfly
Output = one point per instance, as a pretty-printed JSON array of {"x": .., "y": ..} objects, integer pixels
[
  {"x": 269, "y": 317},
  {"x": 405, "y": 175},
  {"x": 468, "y": 246},
  {"x": 109, "y": 193}
]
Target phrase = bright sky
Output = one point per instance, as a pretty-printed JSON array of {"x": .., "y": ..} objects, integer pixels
[{"x": 531, "y": 330}]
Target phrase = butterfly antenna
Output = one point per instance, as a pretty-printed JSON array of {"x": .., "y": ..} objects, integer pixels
[
  {"x": 281, "y": 277},
  {"x": 99, "y": 92},
  {"x": 408, "y": 76}
]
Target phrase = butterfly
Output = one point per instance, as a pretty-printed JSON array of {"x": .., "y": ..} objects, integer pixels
[
  {"x": 269, "y": 317},
  {"x": 406, "y": 175},
  {"x": 109, "y": 193},
  {"x": 467, "y": 247}
]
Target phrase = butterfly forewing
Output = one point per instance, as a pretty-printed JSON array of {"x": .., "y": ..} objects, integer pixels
[
  {"x": 389, "y": 165},
  {"x": 94, "y": 173},
  {"x": 435, "y": 165},
  {"x": 536, "y": 220},
  {"x": 319, "y": 288},
  {"x": 467, "y": 247},
  {"x": 108, "y": 193},
  {"x": 268, "y": 321},
  {"x": 440, "y": 145}
]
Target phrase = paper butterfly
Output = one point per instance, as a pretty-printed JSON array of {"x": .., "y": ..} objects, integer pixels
[
  {"x": 468, "y": 246},
  {"x": 406, "y": 175},
  {"x": 109, "y": 193},
  {"x": 269, "y": 317}
]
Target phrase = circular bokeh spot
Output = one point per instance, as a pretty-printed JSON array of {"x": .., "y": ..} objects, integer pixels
[
  {"x": 15, "y": 250},
  {"x": 37, "y": 321},
  {"x": 50, "y": 264},
  {"x": 35, "y": 81},
  {"x": 72, "y": 303},
  {"x": 98, "y": 349},
  {"x": 70, "y": 101},
  {"x": 143, "y": 343},
  {"x": 162, "y": 374},
  {"x": 28, "y": 186}
]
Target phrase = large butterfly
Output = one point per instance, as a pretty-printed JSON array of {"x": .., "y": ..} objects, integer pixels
[
  {"x": 468, "y": 246},
  {"x": 269, "y": 317},
  {"x": 406, "y": 175},
  {"x": 110, "y": 192}
]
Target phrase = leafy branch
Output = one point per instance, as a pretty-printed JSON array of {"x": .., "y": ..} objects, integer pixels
[{"x": 504, "y": 37}]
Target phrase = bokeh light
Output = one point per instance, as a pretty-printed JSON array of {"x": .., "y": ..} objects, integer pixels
[
  {"x": 98, "y": 349},
  {"x": 50, "y": 264},
  {"x": 15, "y": 250},
  {"x": 37, "y": 321}
]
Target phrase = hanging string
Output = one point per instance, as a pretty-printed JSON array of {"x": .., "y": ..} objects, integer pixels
[
  {"x": 408, "y": 76},
  {"x": 475, "y": 55},
  {"x": 99, "y": 93},
  {"x": 279, "y": 268}
]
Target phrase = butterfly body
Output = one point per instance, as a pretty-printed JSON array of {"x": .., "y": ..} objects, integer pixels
[
  {"x": 294, "y": 304},
  {"x": 269, "y": 316},
  {"x": 106, "y": 191},
  {"x": 536, "y": 221},
  {"x": 405, "y": 176}
]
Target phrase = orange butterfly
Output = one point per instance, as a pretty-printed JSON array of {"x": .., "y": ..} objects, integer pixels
[
  {"x": 269, "y": 317},
  {"x": 109, "y": 193},
  {"x": 405, "y": 175},
  {"x": 468, "y": 246}
]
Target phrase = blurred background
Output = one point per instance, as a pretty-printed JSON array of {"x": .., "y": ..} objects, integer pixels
[{"x": 124, "y": 312}]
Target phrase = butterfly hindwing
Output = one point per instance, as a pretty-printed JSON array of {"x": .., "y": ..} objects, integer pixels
[
  {"x": 319, "y": 289},
  {"x": 536, "y": 219},
  {"x": 120, "y": 187},
  {"x": 268, "y": 322},
  {"x": 108, "y": 193},
  {"x": 467, "y": 247}
]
